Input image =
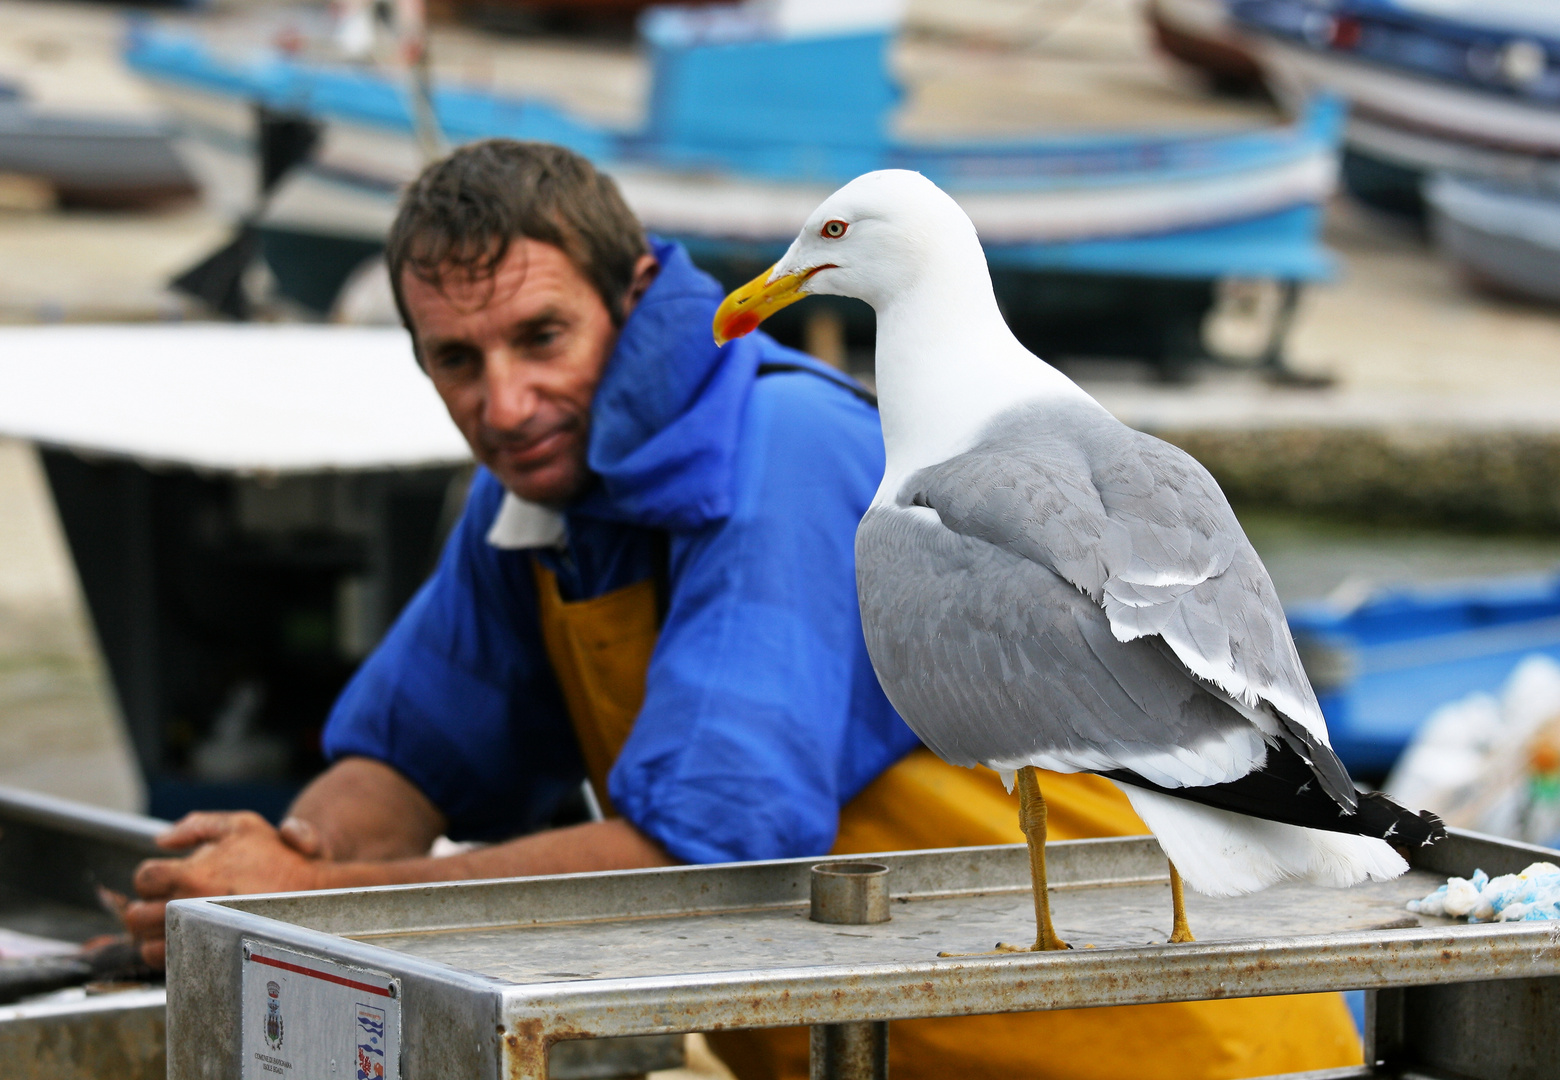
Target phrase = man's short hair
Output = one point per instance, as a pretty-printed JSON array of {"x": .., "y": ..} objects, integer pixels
[{"x": 463, "y": 213}]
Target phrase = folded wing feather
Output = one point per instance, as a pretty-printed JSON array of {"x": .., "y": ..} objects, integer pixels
[{"x": 1142, "y": 529}]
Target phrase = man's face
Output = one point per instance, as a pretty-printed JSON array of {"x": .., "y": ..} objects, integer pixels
[{"x": 516, "y": 358}]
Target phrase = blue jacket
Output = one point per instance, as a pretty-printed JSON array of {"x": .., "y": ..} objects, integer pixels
[{"x": 762, "y": 715}]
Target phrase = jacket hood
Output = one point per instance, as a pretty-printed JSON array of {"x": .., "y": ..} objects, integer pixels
[{"x": 666, "y": 416}]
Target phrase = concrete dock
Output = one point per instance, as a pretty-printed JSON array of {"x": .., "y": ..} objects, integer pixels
[{"x": 59, "y": 727}]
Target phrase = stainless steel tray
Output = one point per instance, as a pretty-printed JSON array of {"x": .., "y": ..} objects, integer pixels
[
  {"x": 54, "y": 855},
  {"x": 491, "y": 975}
]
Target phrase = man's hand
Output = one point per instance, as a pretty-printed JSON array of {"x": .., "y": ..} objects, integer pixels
[
  {"x": 331, "y": 842},
  {"x": 233, "y": 853}
]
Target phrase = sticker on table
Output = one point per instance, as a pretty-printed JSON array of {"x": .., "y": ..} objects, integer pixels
[{"x": 306, "y": 1018}]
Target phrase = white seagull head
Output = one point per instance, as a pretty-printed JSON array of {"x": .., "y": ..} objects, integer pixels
[
  {"x": 946, "y": 362},
  {"x": 875, "y": 239}
]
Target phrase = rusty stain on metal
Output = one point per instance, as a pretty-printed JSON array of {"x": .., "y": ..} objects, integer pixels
[
  {"x": 1070, "y": 980},
  {"x": 526, "y": 1049},
  {"x": 856, "y": 894}
]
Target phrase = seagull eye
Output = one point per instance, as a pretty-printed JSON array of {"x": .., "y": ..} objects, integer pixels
[{"x": 833, "y": 230}]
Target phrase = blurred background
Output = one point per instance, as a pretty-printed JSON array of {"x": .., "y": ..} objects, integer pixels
[{"x": 1317, "y": 245}]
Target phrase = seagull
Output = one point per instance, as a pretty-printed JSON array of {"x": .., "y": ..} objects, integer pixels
[{"x": 1043, "y": 587}]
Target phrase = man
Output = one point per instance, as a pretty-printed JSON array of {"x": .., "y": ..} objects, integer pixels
[{"x": 652, "y": 588}]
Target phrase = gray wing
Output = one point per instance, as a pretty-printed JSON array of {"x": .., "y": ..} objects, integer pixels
[
  {"x": 1093, "y": 590},
  {"x": 1141, "y": 528},
  {"x": 993, "y": 658}
]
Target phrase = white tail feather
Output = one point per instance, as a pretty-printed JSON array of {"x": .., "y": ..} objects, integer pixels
[{"x": 1222, "y": 853}]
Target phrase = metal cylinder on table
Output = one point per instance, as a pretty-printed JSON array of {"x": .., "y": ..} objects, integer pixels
[{"x": 852, "y": 894}]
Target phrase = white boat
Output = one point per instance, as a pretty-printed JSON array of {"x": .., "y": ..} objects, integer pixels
[
  {"x": 695, "y": 177},
  {"x": 1152, "y": 219},
  {"x": 93, "y": 161},
  {"x": 1503, "y": 238}
]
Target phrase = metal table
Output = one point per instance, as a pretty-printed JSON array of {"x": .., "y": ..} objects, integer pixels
[
  {"x": 54, "y": 854},
  {"x": 486, "y": 979}
]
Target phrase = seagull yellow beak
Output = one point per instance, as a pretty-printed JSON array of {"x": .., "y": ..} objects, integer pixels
[{"x": 742, "y": 311}]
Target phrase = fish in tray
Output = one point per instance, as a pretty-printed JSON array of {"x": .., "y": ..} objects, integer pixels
[{"x": 118, "y": 960}]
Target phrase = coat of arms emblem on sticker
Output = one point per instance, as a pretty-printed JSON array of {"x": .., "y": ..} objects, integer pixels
[{"x": 273, "y": 1015}]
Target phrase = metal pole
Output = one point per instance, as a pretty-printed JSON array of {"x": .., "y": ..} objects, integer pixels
[
  {"x": 851, "y": 893},
  {"x": 411, "y": 19}
]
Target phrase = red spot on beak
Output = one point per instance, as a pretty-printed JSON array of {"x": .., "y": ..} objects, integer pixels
[{"x": 741, "y": 324}]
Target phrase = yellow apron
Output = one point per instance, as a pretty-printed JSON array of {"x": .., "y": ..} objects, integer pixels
[{"x": 600, "y": 651}]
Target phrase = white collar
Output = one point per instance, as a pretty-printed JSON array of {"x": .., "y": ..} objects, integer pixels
[{"x": 522, "y": 524}]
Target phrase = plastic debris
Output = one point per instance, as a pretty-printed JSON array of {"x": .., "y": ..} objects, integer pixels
[
  {"x": 1530, "y": 896},
  {"x": 1492, "y": 763}
]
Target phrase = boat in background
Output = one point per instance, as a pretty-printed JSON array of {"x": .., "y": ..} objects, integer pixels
[
  {"x": 1503, "y": 238},
  {"x": 1200, "y": 33},
  {"x": 91, "y": 161},
  {"x": 1469, "y": 87},
  {"x": 1104, "y": 245}
]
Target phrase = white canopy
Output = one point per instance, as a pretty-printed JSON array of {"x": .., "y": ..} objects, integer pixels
[{"x": 248, "y": 399}]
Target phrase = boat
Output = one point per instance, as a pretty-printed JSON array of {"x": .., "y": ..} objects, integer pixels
[
  {"x": 1201, "y": 34},
  {"x": 98, "y": 162},
  {"x": 1504, "y": 239},
  {"x": 1382, "y": 664},
  {"x": 1469, "y": 87},
  {"x": 1129, "y": 231}
]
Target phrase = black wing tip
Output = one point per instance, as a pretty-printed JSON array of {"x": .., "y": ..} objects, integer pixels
[
  {"x": 1320, "y": 760},
  {"x": 1409, "y": 828},
  {"x": 1436, "y": 827}
]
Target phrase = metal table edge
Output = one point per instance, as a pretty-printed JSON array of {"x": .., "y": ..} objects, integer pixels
[
  {"x": 243, "y": 926},
  {"x": 1421, "y": 860},
  {"x": 433, "y": 890},
  {"x": 1030, "y": 982}
]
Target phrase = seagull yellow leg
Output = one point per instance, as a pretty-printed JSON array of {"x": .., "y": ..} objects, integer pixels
[
  {"x": 1031, "y": 818},
  {"x": 1180, "y": 931}
]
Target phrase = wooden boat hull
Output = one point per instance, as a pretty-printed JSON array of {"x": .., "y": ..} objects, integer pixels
[
  {"x": 1183, "y": 209},
  {"x": 1063, "y": 194},
  {"x": 1418, "y": 121}
]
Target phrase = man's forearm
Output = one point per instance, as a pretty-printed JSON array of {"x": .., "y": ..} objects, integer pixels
[
  {"x": 240, "y": 853},
  {"x": 599, "y": 845},
  {"x": 375, "y": 827},
  {"x": 366, "y": 810}
]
